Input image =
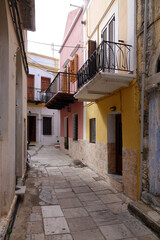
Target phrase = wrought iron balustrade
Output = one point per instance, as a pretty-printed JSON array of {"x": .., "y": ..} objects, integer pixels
[
  {"x": 35, "y": 94},
  {"x": 108, "y": 57},
  {"x": 64, "y": 83}
]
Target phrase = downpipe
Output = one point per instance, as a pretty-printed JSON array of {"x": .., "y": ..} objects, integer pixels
[{"x": 142, "y": 95}]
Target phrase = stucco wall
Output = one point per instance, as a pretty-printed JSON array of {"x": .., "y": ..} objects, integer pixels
[
  {"x": 151, "y": 105},
  {"x": 39, "y": 113},
  {"x": 126, "y": 102},
  {"x": 75, "y": 37},
  {"x": 76, "y": 108},
  {"x": 11, "y": 102}
]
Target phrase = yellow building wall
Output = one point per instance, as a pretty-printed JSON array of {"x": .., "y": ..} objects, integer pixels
[
  {"x": 123, "y": 19},
  {"x": 95, "y": 12},
  {"x": 126, "y": 102},
  {"x": 94, "y": 16}
]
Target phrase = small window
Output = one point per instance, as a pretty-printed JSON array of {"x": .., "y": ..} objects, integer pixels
[
  {"x": 93, "y": 130},
  {"x": 47, "y": 126},
  {"x": 158, "y": 65},
  {"x": 75, "y": 127}
]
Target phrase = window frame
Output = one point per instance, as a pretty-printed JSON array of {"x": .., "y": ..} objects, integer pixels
[
  {"x": 75, "y": 127},
  {"x": 44, "y": 131},
  {"x": 92, "y": 123}
]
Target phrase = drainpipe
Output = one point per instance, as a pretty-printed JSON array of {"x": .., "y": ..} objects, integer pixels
[{"x": 142, "y": 93}]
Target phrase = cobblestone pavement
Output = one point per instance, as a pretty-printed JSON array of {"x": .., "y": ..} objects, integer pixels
[{"x": 64, "y": 201}]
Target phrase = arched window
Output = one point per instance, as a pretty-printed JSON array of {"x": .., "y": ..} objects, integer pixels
[{"x": 158, "y": 65}]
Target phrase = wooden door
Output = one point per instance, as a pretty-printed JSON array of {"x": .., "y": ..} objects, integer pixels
[
  {"x": 31, "y": 129},
  {"x": 118, "y": 144},
  {"x": 92, "y": 60},
  {"x": 30, "y": 87}
]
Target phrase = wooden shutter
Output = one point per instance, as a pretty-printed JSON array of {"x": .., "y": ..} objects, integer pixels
[
  {"x": 91, "y": 47},
  {"x": 45, "y": 82},
  {"x": 30, "y": 87},
  {"x": 64, "y": 81},
  {"x": 76, "y": 63}
]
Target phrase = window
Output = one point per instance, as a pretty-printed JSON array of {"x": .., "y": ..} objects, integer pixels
[
  {"x": 158, "y": 65},
  {"x": 45, "y": 82},
  {"x": 47, "y": 126},
  {"x": 93, "y": 130},
  {"x": 75, "y": 127}
]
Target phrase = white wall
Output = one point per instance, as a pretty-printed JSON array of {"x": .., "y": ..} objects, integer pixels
[{"x": 44, "y": 112}]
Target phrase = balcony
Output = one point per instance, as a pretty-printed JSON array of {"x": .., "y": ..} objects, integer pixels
[
  {"x": 35, "y": 95},
  {"x": 107, "y": 70},
  {"x": 61, "y": 91}
]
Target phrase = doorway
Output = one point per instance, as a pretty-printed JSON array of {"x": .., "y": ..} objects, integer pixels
[
  {"x": 118, "y": 144},
  {"x": 31, "y": 131},
  {"x": 114, "y": 143},
  {"x": 66, "y": 131}
]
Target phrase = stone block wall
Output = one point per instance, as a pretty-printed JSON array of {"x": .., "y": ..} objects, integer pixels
[{"x": 130, "y": 172}]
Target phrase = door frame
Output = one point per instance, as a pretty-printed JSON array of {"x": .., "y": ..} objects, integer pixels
[{"x": 112, "y": 145}]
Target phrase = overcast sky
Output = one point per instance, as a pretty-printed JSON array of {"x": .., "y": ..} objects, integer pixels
[{"x": 51, "y": 16}]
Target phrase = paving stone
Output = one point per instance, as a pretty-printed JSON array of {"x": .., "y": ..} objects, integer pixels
[
  {"x": 70, "y": 203},
  {"x": 148, "y": 237},
  {"x": 39, "y": 236},
  {"x": 104, "y": 217},
  {"x": 75, "y": 212},
  {"x": 117, "y": 207},
  {"x": 47, "y": 197},
  {"x": 34, "y": 217},
  {"x": 28, "y": 237},
  {"x": 54, "y": 226},
  {"x": 137, "y": 228},
  {"x": 103, "y": 192},
  {"x": 82, "y": 189},
  {"x": 77, "y": 183},
  {"x": 52, "y": 211},
  {"x": 94, "y": 206},
  {"x": 87, "y": 197},
  {"x": 59, "y": 237},
  {"x": 65, "y": 195},
  {"x": 154, "y": 215},
  {"x": 81, "y": 223},
  {"x": 62, "y": 190},
  {"x": 109, "y": 198},
  {"x": 34, "y": 227},
  {"x": 115, "y": 232},
  {"x": 93, "y": 234},
  {"x": 61, "y": 184},
  {"x": 36, "y": 209},
  {"x": 99, "y": 188}
]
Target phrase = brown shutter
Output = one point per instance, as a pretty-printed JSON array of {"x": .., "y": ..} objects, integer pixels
[
  {"x": 91, "y": 47},
  {"x": 72, "y": 70},
  {"x": 64, "y": 81},
  {"x": 30, "y": 87},
  {"x": 45, "y": 82},
  {"x": 76, "y": 63}
]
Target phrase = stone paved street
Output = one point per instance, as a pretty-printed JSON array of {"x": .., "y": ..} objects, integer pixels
[{"x": 64, "y": 201}]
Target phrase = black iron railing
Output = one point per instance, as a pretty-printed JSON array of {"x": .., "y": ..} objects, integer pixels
[
  {"x": 64, "y": 83},
  {"x": 110, "y": 57},
  {"x": 35, "y": 95}
]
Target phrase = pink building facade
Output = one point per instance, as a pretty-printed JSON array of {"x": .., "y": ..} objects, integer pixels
[{"x": 71, "y": 59}]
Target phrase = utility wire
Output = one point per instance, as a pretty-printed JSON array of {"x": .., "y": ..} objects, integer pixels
[
  {"x": 49, "y": 44},
  {"x": 49, "y": 71}
]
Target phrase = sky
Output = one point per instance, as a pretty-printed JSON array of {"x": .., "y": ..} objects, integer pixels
[{"x": 51, "y": 16}]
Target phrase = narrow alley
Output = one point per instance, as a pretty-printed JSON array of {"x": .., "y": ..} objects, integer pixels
[{"x": 65, "y": 200}]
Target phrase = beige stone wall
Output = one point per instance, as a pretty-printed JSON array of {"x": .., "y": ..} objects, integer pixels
[
  {"x": 101, "y": 158},
  {"x": 130, "y": 172}
]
